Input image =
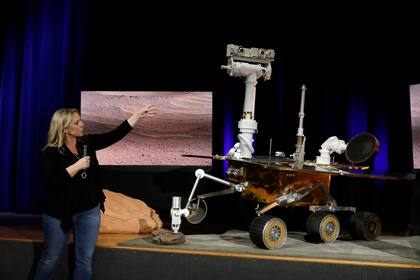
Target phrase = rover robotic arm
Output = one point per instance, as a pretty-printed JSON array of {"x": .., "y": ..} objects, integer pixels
[{"x": 195, "y": 209}]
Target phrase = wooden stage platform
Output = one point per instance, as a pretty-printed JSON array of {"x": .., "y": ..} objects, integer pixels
[{"x": 21, "y": 245}]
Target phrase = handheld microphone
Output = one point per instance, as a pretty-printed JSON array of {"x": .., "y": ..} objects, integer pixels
[{"x": 84, "y": 175}]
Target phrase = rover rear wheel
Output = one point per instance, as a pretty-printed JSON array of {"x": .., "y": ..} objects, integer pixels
[
  {"x": 365, "y": 225},
  {"x": 268, "y": 232}
]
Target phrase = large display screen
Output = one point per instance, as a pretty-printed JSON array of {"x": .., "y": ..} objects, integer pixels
[
  {"x": 415, "y": 123},
  {"x": 181, "y": 126}
]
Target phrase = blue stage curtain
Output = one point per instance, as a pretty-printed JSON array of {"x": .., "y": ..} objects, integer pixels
[{"x": 40, "y": 72}]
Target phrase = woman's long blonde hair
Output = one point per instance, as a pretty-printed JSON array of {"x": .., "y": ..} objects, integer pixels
[{"x": 60, "y": 120}]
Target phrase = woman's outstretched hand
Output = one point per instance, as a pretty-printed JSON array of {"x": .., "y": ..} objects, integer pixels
[{"x": 146, "y": 111}]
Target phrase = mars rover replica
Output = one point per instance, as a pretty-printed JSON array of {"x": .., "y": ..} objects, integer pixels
[{"x": 280, "y": 181}]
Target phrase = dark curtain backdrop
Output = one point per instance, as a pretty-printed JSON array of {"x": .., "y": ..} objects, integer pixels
[
  {"x": 40, "y": 72},
  {"x": 357, "y": 76}
]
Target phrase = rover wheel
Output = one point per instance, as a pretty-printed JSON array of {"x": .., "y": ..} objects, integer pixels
[
  {"x": 268, "y": 232},
  {"x": 365, "y": 225},
  {"x": 322, "y": 227}
]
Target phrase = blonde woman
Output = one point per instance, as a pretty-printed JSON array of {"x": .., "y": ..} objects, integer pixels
[{"x": 74, "y": 198}]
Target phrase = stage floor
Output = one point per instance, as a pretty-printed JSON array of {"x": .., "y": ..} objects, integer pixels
[
  {"x": 27, "y": 227},
  {"x": 399, "y": 251},
  {"x": 229, "y": 255},
  {"x": 390, "y": 250}
]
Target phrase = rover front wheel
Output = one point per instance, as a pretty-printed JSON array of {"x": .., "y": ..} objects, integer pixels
[{"x": 268, "y": 232}]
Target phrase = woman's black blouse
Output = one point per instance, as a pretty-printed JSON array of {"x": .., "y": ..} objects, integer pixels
[{"x": 67, "y": 195}]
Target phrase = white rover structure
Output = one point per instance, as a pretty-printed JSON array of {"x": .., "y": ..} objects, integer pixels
[{"x": 280, "y": 181}]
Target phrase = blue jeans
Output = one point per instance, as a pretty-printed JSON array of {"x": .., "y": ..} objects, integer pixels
[{"x": 85, "y": 229}]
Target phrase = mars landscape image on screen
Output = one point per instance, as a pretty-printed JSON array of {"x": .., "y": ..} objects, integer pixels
[
  {"x": 181, "y": 126},
  {"x": 415, "y": 123}
]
